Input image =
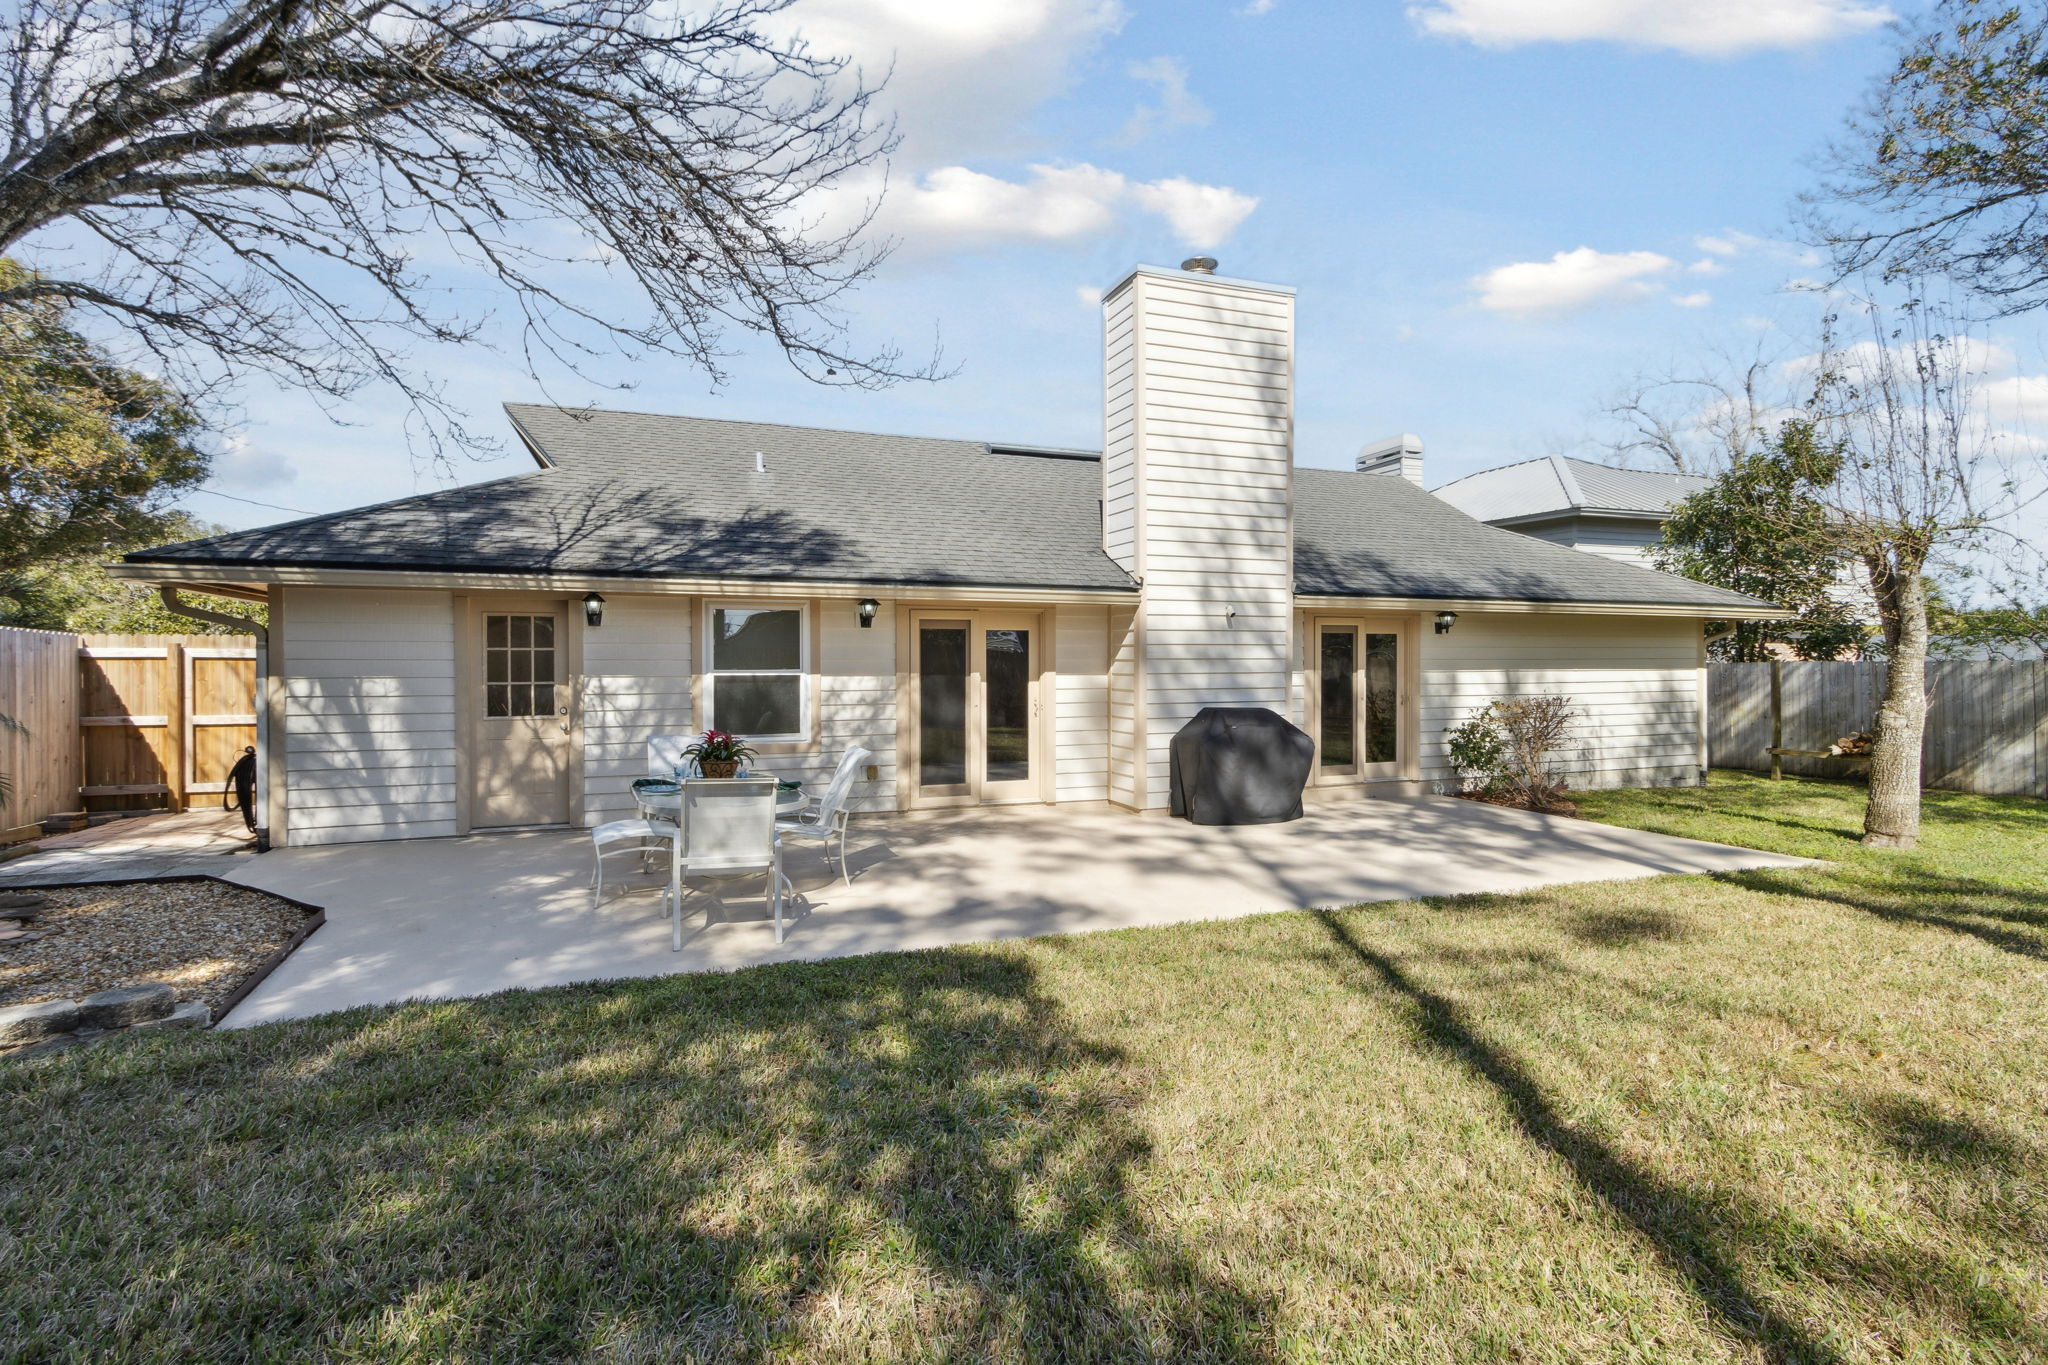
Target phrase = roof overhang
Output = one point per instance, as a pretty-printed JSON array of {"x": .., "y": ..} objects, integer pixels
[
  {"x": 1684, "y": 611},
  {"x": 216, "y": 576}
]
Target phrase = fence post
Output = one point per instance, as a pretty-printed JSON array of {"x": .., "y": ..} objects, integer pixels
[{"x": 1777, "y": 720}]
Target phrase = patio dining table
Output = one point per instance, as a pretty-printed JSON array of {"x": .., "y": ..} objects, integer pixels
[{"x": 668, "y": 805}]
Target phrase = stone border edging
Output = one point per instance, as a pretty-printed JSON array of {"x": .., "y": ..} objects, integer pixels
[{"x": 315, "y": 916}]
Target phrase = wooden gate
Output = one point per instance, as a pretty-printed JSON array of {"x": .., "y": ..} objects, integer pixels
[{"x": 162, "y": 717}]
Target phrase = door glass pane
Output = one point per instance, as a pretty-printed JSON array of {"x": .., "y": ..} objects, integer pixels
[
  {"x": 1340, "y": 704},
  {"x": 1382, "y": 697},
  {"x": 1007, "y": 685},
  {"x": 942, "y": 705},
  {"x": 757, "y": 704},
  {"x": 518, "y": 649},
  {"x": 745, "y": 638}
]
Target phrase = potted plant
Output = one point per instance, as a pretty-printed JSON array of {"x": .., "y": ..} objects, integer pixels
[{"x": 720, "y": 753}]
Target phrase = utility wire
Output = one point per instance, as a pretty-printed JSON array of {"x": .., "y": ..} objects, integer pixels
[{"x": 273, "y": 506}]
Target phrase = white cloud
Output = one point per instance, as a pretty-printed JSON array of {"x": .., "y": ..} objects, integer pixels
[
  {"x": 1715, "y": 28},
  {"x": 1059, "y": 203},
  {"x": 1706, "y": 265},
  {"x": 1203, "y": 216},
  {"x": 1090, "y": 296},
  {"x": 1177, "y": 106},
  {"x": 954, "y": 204},
  {"x": 241, "y": 467},
  {"x": 964, "y": 78},
  {"x": 1699, "y": 300},
  {"x": 1254, "y": 8},
  {"x": 963, "y": 75},
  {"x": 1727, "y": 244},
  {"x": 1571, "y": 280}
]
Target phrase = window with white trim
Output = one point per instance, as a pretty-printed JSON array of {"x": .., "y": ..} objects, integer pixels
[{"x": 757, "y": 670}]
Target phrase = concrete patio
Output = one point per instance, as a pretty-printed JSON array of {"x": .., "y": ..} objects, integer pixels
[{"x": 438, "y": 918}]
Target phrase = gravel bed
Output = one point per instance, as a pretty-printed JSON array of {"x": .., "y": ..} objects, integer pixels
[{"x": 200, "y": 938}]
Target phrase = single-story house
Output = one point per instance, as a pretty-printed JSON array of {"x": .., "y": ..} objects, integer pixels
[
  {"x": 1567, "y": 501},
  {"x": 996, "y": 623}
]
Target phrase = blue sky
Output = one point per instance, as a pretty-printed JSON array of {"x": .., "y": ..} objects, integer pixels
[{"x": 1496, "y": 212}]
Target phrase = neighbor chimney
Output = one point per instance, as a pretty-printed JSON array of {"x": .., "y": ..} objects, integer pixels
[
  {"x": 1400, "y": 455},
  {"x": 1197, "y": 497}
]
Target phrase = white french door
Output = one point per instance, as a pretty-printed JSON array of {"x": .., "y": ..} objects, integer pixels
[
  {"x": 1359, "y": 700},
  {"x": 974, "y": 734}
]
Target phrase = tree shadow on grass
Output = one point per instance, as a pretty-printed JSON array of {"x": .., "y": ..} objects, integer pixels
[
  {"x": 2013, "y": 920},
  {"x": 1695, "y": 1234},
  {"x": 910, "y": 1156}
]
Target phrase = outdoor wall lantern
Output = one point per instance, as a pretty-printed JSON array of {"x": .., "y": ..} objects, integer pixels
[
  {"x": 1444, "y": 621},
  {"x": 593, "y": 609},
  {"x": 868, "y": 607}
]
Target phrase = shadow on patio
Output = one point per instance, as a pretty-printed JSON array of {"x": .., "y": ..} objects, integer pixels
[{"x": 457, "y": 917}]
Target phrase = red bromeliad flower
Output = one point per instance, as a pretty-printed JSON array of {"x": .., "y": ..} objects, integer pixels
[{"x": 720, "y": 746}]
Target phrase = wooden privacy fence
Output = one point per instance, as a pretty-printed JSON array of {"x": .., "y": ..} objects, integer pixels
[
  {"x": 162, "y": 717},
  {"x": 1987, "y": 722},
  {"x": 121, "y": 722},
  {"x": 39, "y": 689}
]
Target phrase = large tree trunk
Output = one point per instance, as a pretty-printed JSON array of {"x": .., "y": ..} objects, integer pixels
[{"x": 1891, "y": 818}]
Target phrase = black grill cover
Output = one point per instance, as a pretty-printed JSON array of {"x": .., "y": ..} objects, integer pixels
[{"x": 1240, "y": 765}]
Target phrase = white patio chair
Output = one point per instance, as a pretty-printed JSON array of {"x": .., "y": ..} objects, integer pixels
[
  {"x": 666, "y": 760},
  {"x": 665, "y": 756},
  {"x": 824, "y": 819},
  {"x": 729, "y": 833},
  {"x": 627, "y": 839}
]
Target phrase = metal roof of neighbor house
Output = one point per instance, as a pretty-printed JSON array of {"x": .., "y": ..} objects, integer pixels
[
  {"x": 637, "y": 495},
  {"x": 1561, "y": 484}
]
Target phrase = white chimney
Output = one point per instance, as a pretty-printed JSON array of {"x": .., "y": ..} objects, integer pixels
[
  {"x": 1400, "y": 455},
  {"x": 1197, "y": 500}
]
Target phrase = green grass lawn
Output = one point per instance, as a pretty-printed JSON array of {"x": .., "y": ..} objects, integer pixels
[{"x": 1794, "y": 1115}]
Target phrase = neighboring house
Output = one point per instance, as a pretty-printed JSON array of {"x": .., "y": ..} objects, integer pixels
[
  {"x": 1593, "y": 507},
  {"x": 996, "y": 623}
]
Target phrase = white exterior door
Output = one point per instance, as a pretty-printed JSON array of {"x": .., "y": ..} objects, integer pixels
[
  {"x": 975, "y": 704},
  {"x": 1359, "y": 699},
  {"x": 520, "y": 721}
]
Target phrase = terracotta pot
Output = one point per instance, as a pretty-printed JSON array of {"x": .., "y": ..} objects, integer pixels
[{"x": 719, "y": 767}]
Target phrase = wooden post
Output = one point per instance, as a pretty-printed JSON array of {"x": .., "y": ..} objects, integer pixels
[
  {"x": 1777, "y": 720},
  {"x": 177, "y": 733}
]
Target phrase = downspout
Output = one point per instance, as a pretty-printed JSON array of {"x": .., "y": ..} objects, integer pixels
[{"x": 168, "y": 593}]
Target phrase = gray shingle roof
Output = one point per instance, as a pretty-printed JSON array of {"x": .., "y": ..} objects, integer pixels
[
  {"x": 1374, "y": 535},
  {"x": 1562, "y": 484},
  {"x": 638, "y": 495}
]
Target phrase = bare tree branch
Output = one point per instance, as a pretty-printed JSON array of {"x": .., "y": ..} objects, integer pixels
[
  {"x": 1945, "y": 169},
  {"x": 255, "y": 178}
]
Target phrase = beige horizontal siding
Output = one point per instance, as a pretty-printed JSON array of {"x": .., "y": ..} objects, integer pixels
[
  {"x": 1081, "y": 710},
  {"x": 1633, "y": 680},
  {"x": 369, "y": 687},
  {"x": 636, "y": 684}
]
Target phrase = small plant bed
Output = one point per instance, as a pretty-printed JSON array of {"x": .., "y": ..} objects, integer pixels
[
  {"x": 1509, "y": 751},
  {"x": 208, "y": 940},
  {"x": 1545, "y": 803}
]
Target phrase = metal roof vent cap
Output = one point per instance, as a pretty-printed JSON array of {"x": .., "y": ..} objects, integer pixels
[{"x": 1199, "y": 265}]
